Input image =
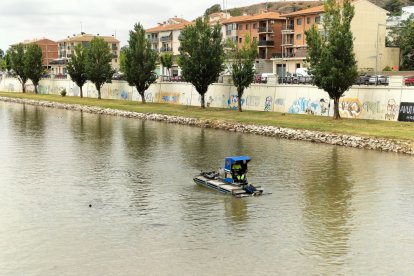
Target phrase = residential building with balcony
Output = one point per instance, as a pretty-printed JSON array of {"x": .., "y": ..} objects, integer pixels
[
  {"x": 368, "y": 28},
  {"x": 67, "y": 50},
  {"x": 49, "y": 49},
  {"x": 164, "y": 38},
  {"x": 265, "y": 28}
]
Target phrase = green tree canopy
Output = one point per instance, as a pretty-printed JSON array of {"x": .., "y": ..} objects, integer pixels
[
  {"x": 140, "y": 61},
  {"x": 33, "y": 64},
  {"x": 212, "y": 9},
  {"x": 242, "y": 60},
  {"x": 5, "y": 63},
  {"x": 202, "y": 55},
  {"x": 98, "y": 63},
  {"x": 1, "y": 54},
  {"x": 394, "y": 7},
  {"x": 331, "y": 53},
  {"x": 167, "y": 62},
  {"x": 403, "y": 37},
  {"x": 18, "y": 65},
  {"x": 77, "y": 67}
]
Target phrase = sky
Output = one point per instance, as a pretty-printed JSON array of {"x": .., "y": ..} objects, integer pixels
[{"x": 29, "y": 19}]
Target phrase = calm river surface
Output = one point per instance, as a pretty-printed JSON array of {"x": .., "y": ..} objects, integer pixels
[{"x": 333, "y": 210}]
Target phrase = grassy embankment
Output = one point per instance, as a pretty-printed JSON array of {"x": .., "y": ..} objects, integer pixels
[{"x": 372, "y": 128}]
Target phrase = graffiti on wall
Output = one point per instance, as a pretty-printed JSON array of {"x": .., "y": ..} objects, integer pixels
[
  {"x": 392, "y": 109},
  {"x": 210, "y": 100},
  {"x": 280, "y": 101},
  {"x": 268, "y": 103},
  {"x": 232, "y": 102},
  {"x": 30, "y": 88},
  {"x": 172, "y": 98},
  {"x": 350, "y": 108},
  {"x": 252, "y": 101},
  {"x": 371, "y": 107},
  {"x": 75, "y": 91},
  {"x": 308, "y": 106}
]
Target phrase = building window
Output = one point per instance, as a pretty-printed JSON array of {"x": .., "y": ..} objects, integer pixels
[
  {"x": 308, "y": 20},
  {"x": 317, "y": 19},
  {"x": 299, "y": 21},
  {"x": 254, "y": 25},
  {"x": 240, "y": 27},
  {"x": 240, "y": 40},
  {"x": 298, "y": 36},
  {"x": 247, "y": 26}
]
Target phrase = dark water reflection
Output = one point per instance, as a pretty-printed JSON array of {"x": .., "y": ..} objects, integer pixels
[{"x": 332, "y": 210}]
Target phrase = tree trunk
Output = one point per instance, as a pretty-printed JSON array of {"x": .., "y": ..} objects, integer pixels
[
  {"x": 35, "y": 88},
  {"x": 336, "y": 108},
  {"x": 81, "y": 92},
  {"x": 99, "y": 93},
  {"x": 142, "y": 97},
  {"x": 239, "y": 97},
  {"x": 23, "y": 88},
  {"x": 202, "y": 101}
]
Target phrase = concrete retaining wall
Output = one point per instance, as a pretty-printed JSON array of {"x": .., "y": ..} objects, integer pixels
[{"x": 360, "y": 102}]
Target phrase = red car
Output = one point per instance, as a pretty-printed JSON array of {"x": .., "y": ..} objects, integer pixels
[{"x": 409, "y": 81}]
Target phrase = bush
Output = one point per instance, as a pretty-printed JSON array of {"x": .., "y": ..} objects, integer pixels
[
  {"x": 387, "y": 68},
  {"x": 63, "y": 92}
]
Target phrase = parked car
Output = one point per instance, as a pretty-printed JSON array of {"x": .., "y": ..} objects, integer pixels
[
  {"x": 264, "y": 76},
  {"x": 409, "y": 81},
  {"x": 379, "y": 80},
  {"x": 363, "y": 79}
]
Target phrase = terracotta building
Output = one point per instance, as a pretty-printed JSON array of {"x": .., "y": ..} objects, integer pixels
[{"x": 49, "y": 49}]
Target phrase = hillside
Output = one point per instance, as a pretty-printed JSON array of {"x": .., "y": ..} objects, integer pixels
[{"x": 291, "y": 6}]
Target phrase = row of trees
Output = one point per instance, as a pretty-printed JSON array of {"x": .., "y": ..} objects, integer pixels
[
  {"x": 202, "y": 55},
  {"x": 24, "y": 64}
]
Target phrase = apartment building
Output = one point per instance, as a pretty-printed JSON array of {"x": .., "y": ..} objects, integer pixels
[
  {"x": 265, "y": 28},
  {"x": 368, "y": 28},
  {"x": 49, "y": 49},
  {"x": 164, "y": 37},
  {"x": 67, "y": 49}
]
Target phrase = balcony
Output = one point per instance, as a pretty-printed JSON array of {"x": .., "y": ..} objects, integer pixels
[
  {"x": 165, "y": 49},
  {"x": 166, "y": 38},
  {"x": 265, "y": 30},
  {"x": 266, "y": 43},
  {"x": 287, "y": 42},
  {"x": 288, "y": 28},
  {"x": 153, "y": 40}
]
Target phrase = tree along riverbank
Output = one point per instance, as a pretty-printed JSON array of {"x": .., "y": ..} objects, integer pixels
[{"x": 368, "y": 134}]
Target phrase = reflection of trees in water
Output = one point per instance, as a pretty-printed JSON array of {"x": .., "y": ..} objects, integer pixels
[
  {"x": 140, "y": 142},
  {"x": 328, "y": 195},
  {"x": 28, "y": 120},
  {"x": 205, "y": 149}
]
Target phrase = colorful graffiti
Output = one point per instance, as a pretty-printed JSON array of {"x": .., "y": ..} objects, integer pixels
[
  {"x": 268, "y": 103},
  {"x": 173, "y": 98},
  {"x": 392, "y": 108},
  {"x": 210, "y": 101},
  {"x": 350, "y": 108},
  {"x": 305, "y": 105},
  {"x": 232, "y": 102},
  {"x": 371, "y": 107}
]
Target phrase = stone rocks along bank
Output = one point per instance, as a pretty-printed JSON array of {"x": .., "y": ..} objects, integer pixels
[{"x": 379, "y": 144}]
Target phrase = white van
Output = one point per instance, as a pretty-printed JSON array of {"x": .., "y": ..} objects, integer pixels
[{"x": 302, "y": 72}]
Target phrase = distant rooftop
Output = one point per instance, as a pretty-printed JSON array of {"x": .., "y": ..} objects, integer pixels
[{"x": 88, "y": 37}]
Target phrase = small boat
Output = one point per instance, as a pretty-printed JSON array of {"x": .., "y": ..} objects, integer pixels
[{"x": 230, "y": 180}]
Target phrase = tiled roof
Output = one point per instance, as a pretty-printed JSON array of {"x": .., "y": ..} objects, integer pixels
[
  {"x": 317, "y": 9},
  {"x": 88, "y": 38},
  {"x": 256, "y": 17},
  {"x": 169, "y": 27}
]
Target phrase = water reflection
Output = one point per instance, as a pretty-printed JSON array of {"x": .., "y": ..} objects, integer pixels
[{"x": 327, "y": 198}]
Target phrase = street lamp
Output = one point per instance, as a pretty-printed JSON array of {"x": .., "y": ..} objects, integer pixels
[{"x": 377, "y": 53}]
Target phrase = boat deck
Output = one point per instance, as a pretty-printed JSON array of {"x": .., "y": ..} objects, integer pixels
[{"x": 223, "y": 187}]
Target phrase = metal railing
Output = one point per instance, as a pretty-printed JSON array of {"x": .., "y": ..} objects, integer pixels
[
  {"x": 266, "y": 43},
  {"x": 265, "y": 30}
]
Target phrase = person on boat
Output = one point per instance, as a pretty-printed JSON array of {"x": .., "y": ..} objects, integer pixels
[{"x": 238, "y": 173}]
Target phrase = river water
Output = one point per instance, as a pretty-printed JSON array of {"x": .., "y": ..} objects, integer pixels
[{"x": 332, "y": 211}]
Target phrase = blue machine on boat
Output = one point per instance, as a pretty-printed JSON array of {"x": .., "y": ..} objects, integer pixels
[{"x": 230, "y": 180}]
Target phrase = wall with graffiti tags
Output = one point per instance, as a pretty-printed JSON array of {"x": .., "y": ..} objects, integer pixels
[{"x": 360, "y": 102}]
